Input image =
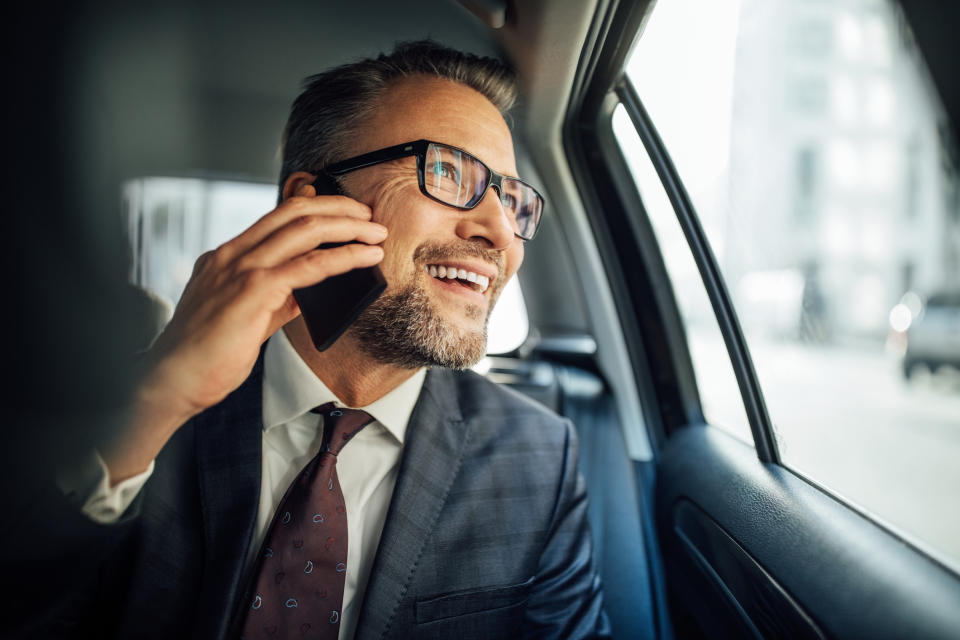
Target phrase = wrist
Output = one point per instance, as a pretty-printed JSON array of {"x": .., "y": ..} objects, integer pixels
[
  {"x": 158, "y": 400},
  {"x": 154, "y": 415},
  {"x": 170, "y": 375}
]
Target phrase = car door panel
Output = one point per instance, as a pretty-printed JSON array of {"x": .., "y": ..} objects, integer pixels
[{"x": 752, "y": 548}]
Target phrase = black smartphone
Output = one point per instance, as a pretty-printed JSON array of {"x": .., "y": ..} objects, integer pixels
[{"x": 331, "y": 306}]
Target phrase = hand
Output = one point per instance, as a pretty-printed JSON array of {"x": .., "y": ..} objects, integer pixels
[{"x": 241, "y": 293}]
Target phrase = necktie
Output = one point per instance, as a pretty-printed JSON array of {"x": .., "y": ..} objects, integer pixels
[{"x": 298, "y": 591}]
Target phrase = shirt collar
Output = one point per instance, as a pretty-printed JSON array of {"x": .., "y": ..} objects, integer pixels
[{"x": 291, "y": 389}]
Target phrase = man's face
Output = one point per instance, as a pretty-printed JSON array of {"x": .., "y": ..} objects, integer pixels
[{"x": 421, "y": 319}]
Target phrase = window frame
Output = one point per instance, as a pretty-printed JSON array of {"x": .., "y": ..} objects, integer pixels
[{"x": 655, "y": 333}]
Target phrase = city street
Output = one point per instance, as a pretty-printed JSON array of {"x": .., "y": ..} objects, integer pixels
[{"x": 848, "y": 420}]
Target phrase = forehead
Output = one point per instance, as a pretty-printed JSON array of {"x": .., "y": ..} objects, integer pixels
[{"x": 423, "y": 107}]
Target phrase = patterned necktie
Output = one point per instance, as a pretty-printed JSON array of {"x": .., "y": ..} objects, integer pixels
[{"x": 299, "y": 589}]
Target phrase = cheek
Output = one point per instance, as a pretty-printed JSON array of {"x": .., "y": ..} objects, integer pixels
[
  {"x": 410, "y": 218},
  {"x": 396, "y": 211},
  {"x": 389, "y": 198}
]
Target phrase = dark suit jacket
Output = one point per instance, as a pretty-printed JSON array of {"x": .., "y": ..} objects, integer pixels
[{"x": 486, "y": 534}]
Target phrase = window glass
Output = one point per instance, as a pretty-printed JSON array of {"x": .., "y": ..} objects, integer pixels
[
  {"x": 822, "y": 167},
  {"x": 172, "y": 221},
  {"x": 719, "y": 393}
]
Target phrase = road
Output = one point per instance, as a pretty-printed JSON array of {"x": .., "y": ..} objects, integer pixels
[{"x": 846, "y": 419}]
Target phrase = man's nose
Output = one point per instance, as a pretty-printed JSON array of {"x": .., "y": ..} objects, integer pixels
[{"x": 489, "y": 221}]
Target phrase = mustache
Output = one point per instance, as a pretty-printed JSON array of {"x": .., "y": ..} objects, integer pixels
[{"x": 429, "y": 252}]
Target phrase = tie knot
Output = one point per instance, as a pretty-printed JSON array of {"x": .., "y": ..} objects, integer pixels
[{"x": 339, "y": 425}]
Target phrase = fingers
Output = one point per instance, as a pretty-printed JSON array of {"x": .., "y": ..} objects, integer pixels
[
  {"x": 296, "y": 207},
  {"x": 307, "y": 232},
  {"x": 321, "y": 264},
  {"x": 241, "y": 293}
]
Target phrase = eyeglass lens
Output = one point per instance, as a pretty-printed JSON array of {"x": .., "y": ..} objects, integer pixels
[{"x": 459, "y": 179}]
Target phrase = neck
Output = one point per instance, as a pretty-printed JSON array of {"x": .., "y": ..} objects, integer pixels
[{"x": 354, "y": 377}]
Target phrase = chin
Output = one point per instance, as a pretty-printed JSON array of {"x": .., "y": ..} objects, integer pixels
[{"x": 405, "y": 328}]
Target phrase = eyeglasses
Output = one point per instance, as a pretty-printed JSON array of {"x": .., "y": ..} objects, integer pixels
[{"x": 455, "y": 178}]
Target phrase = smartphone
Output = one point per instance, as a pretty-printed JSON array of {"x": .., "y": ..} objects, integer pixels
[{"x": 331, "y": 306}]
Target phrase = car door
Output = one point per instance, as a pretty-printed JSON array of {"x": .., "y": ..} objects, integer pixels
[{"x": 766, "y": 181}]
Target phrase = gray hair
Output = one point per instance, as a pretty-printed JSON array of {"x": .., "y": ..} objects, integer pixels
[{"x": 335, "y": 104}]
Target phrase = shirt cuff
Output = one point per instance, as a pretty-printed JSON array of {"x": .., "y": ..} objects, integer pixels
[{"x": 87, "y": 485}]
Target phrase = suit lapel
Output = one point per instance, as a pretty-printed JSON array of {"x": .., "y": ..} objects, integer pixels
[
  {"x": 433, "y": 450},
  {"x": 228, "y": 445}
]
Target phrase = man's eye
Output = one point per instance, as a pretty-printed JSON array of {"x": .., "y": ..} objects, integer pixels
[
  {"x": 445, "y": 170},
  {"x": 509, "y": 201}
]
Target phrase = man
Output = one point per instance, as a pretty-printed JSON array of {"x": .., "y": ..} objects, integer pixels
[{"x": 461, "y": 502}]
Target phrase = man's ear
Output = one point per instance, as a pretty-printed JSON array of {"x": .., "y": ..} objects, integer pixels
[{"x": 296, "y": 180}]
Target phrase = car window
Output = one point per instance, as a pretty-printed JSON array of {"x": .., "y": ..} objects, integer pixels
[
  {"x": 720, "y": 396},
  {"x": 172, "y": 220},
  {"x": 820, "y": 163}
]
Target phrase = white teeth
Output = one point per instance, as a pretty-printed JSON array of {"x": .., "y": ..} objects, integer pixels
[{"x": 452, "y": 273}]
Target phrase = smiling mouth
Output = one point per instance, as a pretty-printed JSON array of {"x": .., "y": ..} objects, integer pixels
[{"x": 469, "y": 279}]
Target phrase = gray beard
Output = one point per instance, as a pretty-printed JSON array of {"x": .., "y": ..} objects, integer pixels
[{"x": 404, "y": 330}]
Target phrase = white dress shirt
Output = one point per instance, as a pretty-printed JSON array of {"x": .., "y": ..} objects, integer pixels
[{"x": 367, "y": 466}]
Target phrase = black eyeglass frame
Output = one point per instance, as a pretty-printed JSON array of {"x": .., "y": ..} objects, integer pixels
[{"x": 418, "y": 148}]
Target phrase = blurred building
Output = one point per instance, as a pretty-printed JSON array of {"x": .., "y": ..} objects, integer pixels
[{"x": 858, "y": 195}]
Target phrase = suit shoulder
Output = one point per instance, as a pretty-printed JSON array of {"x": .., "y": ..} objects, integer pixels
[{"x": 479, "y": 396}]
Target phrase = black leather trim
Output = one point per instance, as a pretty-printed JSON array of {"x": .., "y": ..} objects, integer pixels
[
  {"x": 764, "y": 607},
  {"x": 473, "y": 601}
]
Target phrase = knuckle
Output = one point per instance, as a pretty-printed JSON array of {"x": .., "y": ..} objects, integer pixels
[
  {"x": 294, "y": 204},
  {"x": 208, "y": 259},
  {"x": 319, "y": 266},
  {"x": 322, "y": 254},
  {"x": 307, "y": 222},
  {"x": 252, "y": 279},
  {"x": 203, "y": 259}
]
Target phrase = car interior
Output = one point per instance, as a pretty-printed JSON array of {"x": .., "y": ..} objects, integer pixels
[{"x": 696, "y": 532}]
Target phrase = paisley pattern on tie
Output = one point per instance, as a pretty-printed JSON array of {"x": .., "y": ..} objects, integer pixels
[{"x": 298, "y": 590}]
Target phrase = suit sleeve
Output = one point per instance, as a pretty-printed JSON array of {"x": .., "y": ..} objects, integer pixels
[
  {"x": 567, "y": 598},
  {"x": 87, "y": 484}
]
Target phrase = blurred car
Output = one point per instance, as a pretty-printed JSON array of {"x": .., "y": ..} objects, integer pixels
[{"x": 933, "y": 338}]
